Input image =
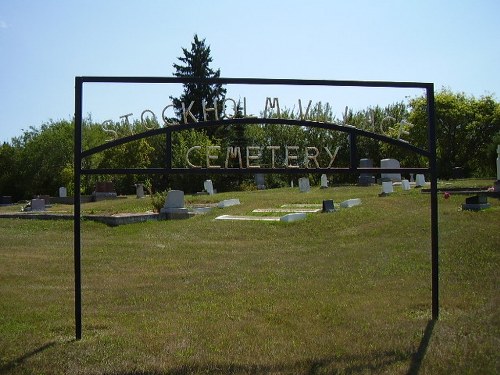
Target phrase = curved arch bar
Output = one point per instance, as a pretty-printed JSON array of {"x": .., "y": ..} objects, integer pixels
[{"x": 254, "y": 120}]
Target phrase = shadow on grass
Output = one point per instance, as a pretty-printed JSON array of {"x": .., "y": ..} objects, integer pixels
[
  {"x": 4, "y": 369},
  {"x": 332, "y": 365},
  {"x": 418, "y": 357},
  {"x": 350, "y": 364}
]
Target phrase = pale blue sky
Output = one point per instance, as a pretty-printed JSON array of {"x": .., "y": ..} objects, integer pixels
[{"x": 45, "y": 44}]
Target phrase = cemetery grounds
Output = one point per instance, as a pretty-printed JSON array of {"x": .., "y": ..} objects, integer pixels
[{"x": 342, "y": 292}]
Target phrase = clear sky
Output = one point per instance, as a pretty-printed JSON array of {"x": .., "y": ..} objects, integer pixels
[{"x": 45, "y": 44}]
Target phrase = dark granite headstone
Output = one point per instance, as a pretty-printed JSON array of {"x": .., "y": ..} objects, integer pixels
[
  {"x": 5, "y": 199},
  {"x": 366, "y": 179},
  {"x": 260, "y": 181},
  {"x": 328, "y": 206},
  {"x": 476, "y": 203}
]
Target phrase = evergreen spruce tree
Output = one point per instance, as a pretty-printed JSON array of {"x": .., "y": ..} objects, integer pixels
[{"x": 196, "y": 63}]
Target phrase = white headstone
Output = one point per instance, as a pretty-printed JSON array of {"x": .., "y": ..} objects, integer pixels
[
  {"x": 350, "y": 203},
  {"x": 387, "y": 187},
  {"x": 304, "y": 185},
  {"x": 38, "y": 205},
  {"x": 390, "y": 163},
  {"x": 175, "y": 199},
  {"x": 324, "y": 181},
  {"x": 139, "y": 190},
  {"x": 405, "y": 184},
  {"x": 293, "y": 217},
  {"x": 228, "y": 203},
  {"x": 209, "y": 187},
  {"x": 63, "y": 192},
  {"x": 174, "y": 205},
  {"x": 420, "y": 180}
]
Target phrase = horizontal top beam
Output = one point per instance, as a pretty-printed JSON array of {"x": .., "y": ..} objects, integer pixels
[{"x": 254, "y": 81}]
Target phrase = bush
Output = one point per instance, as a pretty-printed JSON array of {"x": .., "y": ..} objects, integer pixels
[{"x": 158, "y": 200}]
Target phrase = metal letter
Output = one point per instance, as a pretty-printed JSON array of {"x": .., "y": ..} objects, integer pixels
[
  {"x": 111, "y": 131},
  {"x": 233, "y": 152},
  {"x": 290, "y": 157},
  {"x": 187, "y": 157},
  {"x": 165, "y": 118},
  {"x": 332, "y": 157},
  {"x": 253, "y": 157},
  {"x": 303, "y": 116},
  {"x": 142, "y": 118},
  {"x": 205, "y": 110},
  {"x": 312, "y": 157},
  {"x": 272, "y": 104},
  {"x": 272, "y": 148},
  {"x": 211, "y": 157},
  {"x": 186, "y": 112}
]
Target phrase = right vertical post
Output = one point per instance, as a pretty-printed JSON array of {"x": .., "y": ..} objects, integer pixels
[{"x": 434, "y": 201}]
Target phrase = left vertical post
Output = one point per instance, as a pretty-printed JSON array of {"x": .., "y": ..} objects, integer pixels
[{"x": 77, "y": 206}]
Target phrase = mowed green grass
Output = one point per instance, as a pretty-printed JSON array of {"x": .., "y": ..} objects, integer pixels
[{"x": 344, "y": 292}]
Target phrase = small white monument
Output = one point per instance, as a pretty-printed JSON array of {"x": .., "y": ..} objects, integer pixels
[
  {"x": 293, "y": 217},
  {"x": 324, "y": 181},
  {"x": 350, "y": 203},
  {"x": 304, "y": 185},
  {"x": 209, "y": 187},
  {"x": 174, "y": 205},
  {"x": 63, "y": 192},
  {"x": 139, "y": 191},
  {"x": 405, "y": 184},
  {"x": 419, "y": 180},
  {"x": 387, "y": 187},
  {"x": 228, "y": 203}
]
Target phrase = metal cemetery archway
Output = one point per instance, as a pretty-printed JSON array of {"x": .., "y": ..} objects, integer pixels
[{"x": 353, "y": 168}]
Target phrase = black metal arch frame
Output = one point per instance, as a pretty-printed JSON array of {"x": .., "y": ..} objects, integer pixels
[{"x": 352, "y": 132}]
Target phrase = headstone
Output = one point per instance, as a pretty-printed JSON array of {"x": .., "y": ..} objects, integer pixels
[
  {"x": 139, "y": 191},
  {"x": 209, "y": 187},
  {"x": 38, "y": 204},
  {"x": 293, "y": 217},
  {"x": 387, "y": 187},
  {"x": 175, "y": 199},
  {"x": 174, "y": 205},
  {"x": 228, "y": 203},
  {"x": 104, "y": 190},
  {"x": 457, "y": 173},
  {"x": 350, "y": 203},
  {"x": 304, "y": 185},
  {"x": 63, "y": 192},
  {"x": 260, "y": 181},
  {"x": 5, "y": 199},
  {"x": 366, "y": 179},
  {"x": 405, "y": 184},
  {"x": 324, "y": 181},
  {"x": 328, "y": 206},
  {"x": 476, "y": 203},
  {"x": 419, "y": 180},
  {"x": 393, "y": 164}
]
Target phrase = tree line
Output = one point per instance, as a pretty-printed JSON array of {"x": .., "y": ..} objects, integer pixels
[{"x": 40, "y": 160}]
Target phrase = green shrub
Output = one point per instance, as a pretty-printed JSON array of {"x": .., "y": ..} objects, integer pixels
[{"x": 158, "y": 200}]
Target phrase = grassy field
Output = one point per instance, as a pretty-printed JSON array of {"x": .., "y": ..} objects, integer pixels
[{"x": 344, "y": 292}]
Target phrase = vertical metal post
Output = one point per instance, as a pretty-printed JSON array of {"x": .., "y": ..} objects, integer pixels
[
  {"x": 168, "y": 150},
  {"x": 77, "y": 207},
  {"x": 353, "y": 152},
  {"x": 434, "y": 201}
]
